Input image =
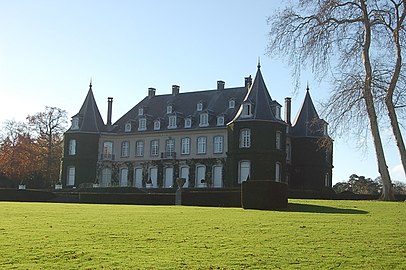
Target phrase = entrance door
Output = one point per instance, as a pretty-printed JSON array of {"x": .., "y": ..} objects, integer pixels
[
  {"x": 138, "y": 177},
  {"x": 218, "y": 176},
  {"x": 184, "y": 173},
  {"x": 168, "y": 177},
  {"x": 123, "y": 177}
]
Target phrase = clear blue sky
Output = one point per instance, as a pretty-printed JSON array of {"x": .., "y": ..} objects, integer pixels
[{"x": 49, "y": 50}]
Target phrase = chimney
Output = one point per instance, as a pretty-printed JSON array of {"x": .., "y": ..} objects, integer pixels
[
  {"x": 220, "y": 85},
  {"x": 175, "y": 90},
  {"x": 109, "y": 110},
  {"x": 151, "y": 92},
  {"x": 248, "y": 82},
  {"x": 287, "y": 110}
]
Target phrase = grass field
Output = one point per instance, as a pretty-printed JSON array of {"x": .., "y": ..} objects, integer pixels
[{"x": 310, "y": 235}]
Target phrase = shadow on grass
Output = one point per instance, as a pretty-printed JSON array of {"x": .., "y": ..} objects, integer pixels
[{"x": 310, "y": 208}]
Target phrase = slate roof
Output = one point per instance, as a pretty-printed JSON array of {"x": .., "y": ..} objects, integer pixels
[
  {"x": 90, "y": 120},
  {"x": 215, "y": 103},
  {"x": 307, "y": 122},
  {"x": 263, "y": 107}
]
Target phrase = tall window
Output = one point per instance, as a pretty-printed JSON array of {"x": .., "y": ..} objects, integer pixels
[
  {"x": 244, "y": 171},
  {"x": 247, "y": 110},
  {"x": 278, "y": 112},
  {"x": 278, "y": 138},
  {"x": 123, "y": 177},
  {"x": 108, "y": 150},
  {"x": 201, "y": 176},
  {"x": 172, "y": 121},
  {"x": 142, "y": 124},
  {"x": 125, "y": 147},
  {"x": 157, "y": 125},
  {"x": 327, "y": 180},
  {"x": 139, "y": 148},
  {"x": 278, "y": 172},
  {"x": 185, "y": 146},
  {"x": 106, "y": 177},
  {"x": 154, "y": 147},
  {"x": 245, "y": 138},
  {"x": 288, "y": 152},
  {"x": 141, "y": 111},
  {"x": 201, "y": 145},
  {"x": 72, "y": 147},
  {"x": 204, "y": 120},
  {"x": 218, "y": 144},
  {"x": 170, "y": 147},
  {"x": 75, "y": 123},
  {"x": 70, "y": 181}
]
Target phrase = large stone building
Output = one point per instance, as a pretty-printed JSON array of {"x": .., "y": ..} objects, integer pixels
[{"x": 214, "y": 138}]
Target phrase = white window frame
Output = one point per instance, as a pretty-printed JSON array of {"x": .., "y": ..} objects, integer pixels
[
  {"x": 204, "y": 120},
  {"x": 172, "y": 122},
  {"x": 75, "y": 123},
  {"x": 220, "y": 120},
  {"x": 231, "y": 104},
  {"x": 170, "y": 147},
  {"x": 169, "y": 109},
  {"x": 245, "y": 138},
  {"x": 127, "y": 127},
  {"x": 70, "y": 177},
  {"x": 72, "y": 147},
  {"x": 188, "y": 122},
  {"x": 199, "y": 106},
  {"x": 201, "y": 145},
  {"x": 200, "y": 169},
  {"x": 139, "y": 148},
  {"x": 242, "y": 175},
  {"x": 154, "y": 148},
  {"x": 278, "y": 140},
  {"x": 185, "y": 146},
  {"x": 125, "y": 149},
  {"x": 142, "y": 124},
  {"x": 108, "y": 149},
  {"x": 157, "y": 125},
  {"x": 140, "y": 111},
  {"x": 278, "y": 112},
  {"x": 218, "y": 144},
  {"x": 246, "y": 110}
]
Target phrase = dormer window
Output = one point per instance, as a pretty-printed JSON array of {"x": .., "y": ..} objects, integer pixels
[
  {"x": 75, "y": 123},
  {"x": 169, "y": 108},
  {"x": 188, "y": 123},
  {"x": 204, "y": 120},
  {"x": 325, "y": 130},
  {"x": 142, "y": 124},
  {"x": 247, "y": 110},
  {"x": 220, "y": 120},
  {"x": 127, "y": 127},
  {"x": 172, "y": 121},
  {"x": 157, "y": 125},
  {"x": 199, "y": 106},
  {"x": 231, "y": 104},
  {"x": 278, "y": 112},
  {"x": 141, "y": 111}
]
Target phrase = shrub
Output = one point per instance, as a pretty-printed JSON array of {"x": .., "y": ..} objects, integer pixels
[{"x": 264, "y": 195}]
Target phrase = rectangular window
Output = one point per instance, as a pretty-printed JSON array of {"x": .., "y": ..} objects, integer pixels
[
  {"x": 172, "y": 121},
  {"x": 244, "y": 171},
  {"x": 185, "y": 146},
  {"x": 72, "y": 147},
  {"x": 204, "y": 120},
  {"x": 157, "y": 125},
  {"x": 231, "y": 103},
  {"x": 169, "y": 109},
  {"x": 245, "y": 138},
  {"x": 288, "y": 152},
  {"x": 125, "y": 147},
  {"x": 141, "y": 111},
  {"x": 108, "y": 150},
  {"x": 188, "y": 123},
  {"x": 199, "y": 106},
  {"x": 142, "y": 124},
  {"x": 139, "y": 148},
  {"x": 218, "y": 144},
  {"x": 170, "y": 147},
  {"x": 71, "y": 176},
  {"x": 201, "y": 145},
  {"x": 278, "y": 172},
  {"x": 278, "y": 140},
  {"x": 154, "y": 147}
]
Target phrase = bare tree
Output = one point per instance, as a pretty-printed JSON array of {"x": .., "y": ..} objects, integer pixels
[
  {"x": 50, "y": 126},
  {"x": 346, "y": 40}
]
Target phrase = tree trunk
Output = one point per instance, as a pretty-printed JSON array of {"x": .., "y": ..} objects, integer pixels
[{"x": 387, "y": 192}]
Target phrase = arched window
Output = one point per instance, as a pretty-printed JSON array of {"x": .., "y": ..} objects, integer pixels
[{"x": 201, "y": 176}]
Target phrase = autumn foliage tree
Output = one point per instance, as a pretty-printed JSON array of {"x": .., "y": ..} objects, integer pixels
[{"x": 31, "y": 152}]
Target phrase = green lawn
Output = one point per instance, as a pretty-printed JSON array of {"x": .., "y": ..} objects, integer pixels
[{"x": 313, "y": 234}]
